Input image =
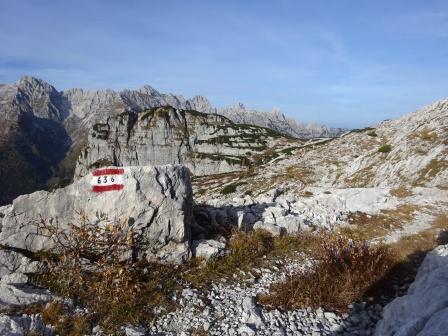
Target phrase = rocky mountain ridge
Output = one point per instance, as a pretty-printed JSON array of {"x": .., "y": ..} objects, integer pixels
[
  {"x": 43, "y": 130},
  {"x": 276, "y": 120}
]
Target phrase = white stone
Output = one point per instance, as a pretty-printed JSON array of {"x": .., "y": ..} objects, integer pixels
[
  {"x": 251, "y": 314},
  {"x": 424, "y": 309},
  {"x": 208, "y": 248}
]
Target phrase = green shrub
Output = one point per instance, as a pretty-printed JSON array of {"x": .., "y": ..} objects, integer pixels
[
  {"x": 372, "y": 134},
  {"x": 229, "y": 189},
  {"x": 385, "y": 149}
]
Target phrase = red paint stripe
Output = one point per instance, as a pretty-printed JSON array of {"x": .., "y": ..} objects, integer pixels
[
  {"x": 108, "y": 171},
  {"x": 107, "y": 187}
]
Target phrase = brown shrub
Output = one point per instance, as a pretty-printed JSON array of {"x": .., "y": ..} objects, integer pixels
[
  {"x": 88, "y": 265},
  {"x": 65, "y": 324},
  {"x": 343, "y": 271}
]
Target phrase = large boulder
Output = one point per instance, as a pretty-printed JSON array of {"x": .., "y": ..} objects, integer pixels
[
  {"x": 155, "y": 201},
  {"x": 424, "y": 309}
]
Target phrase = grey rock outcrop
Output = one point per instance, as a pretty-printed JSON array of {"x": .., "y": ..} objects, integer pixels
[
  {"x": 12, "y": 262},
  {"x": 205, "y": 143},
  {"x": 155, "y": 201},
  {"x": 13, "y": 295},
  {"x": 23, "y": 325},
  {"x": 424, "y": 309}
]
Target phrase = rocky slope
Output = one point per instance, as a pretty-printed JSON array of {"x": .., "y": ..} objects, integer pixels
[
  {"x": 33, "y": 139},
  {"x": 205, "y": 143},
  {"x": 407, "y": 152}
]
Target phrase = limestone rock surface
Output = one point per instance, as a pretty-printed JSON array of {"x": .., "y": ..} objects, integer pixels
[
  {"x": 205, "y": 143},
  {"x": 424, "y": 309},
  {"x": 155, "y": 201}
]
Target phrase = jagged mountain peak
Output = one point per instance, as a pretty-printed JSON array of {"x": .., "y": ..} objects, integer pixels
[
  {"x": 148, "y": 89},
  {"x": 24, "y": 80}
]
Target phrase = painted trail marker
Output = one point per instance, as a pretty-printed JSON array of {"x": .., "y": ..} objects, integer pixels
[{"x": 107, "y": 179}]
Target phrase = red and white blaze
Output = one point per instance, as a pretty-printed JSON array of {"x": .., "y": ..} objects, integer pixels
[{"x": 107, "y": 179}]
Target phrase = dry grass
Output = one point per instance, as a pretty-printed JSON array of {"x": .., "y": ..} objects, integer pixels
[
  {"x": 55, "y": 314},
  {"x": 344, "y": 270},
  {"x": 401, "y": 192},
  {"x": 306, "y": 193},
  {"x": 65, "y": 323},
  {"x": 425, "y": 134},
  {"x": 364, "y": 226},
  {"x": 362, "y": 177},
  {"x": 300, "y": 173},
  {"x": 245, "y": 251},
  {"x": 432, "y": 169},
  {"x": 248, "y": 250},
  {"x": 425, "y": 240},
  {"x": 88, "y": 268},
  {"x": 409, "y": 253}
]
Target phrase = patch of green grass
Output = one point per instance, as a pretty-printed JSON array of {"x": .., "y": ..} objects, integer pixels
[
  {"x": 372, "y": 134},
  {"x": 385, "y": 149},
  {"x": 288, "y": 151},
  {"x": 231, "y": 188}
]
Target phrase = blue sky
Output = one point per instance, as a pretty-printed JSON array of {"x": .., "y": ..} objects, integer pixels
[{"x": 342, "y": 63}]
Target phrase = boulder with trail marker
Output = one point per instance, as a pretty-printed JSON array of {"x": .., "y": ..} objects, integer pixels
[{"x": 154, "y": 201}]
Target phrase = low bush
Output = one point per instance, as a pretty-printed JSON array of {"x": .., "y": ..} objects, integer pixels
[
  {"x": 231, "y": 188},
  {"x": 385, "y": 149},
  {"x": 372, "y": 134},
  {"x": 343, "y": 271},
  {"x": 93, "y": 266}
]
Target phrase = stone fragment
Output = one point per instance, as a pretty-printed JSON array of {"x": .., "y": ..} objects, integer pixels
[{"x": 208, "y": 248}]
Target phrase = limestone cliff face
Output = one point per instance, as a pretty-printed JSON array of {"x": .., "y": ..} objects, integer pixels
[
  {"x": 33, "y": 140},
  {"x": 205, "y": 143}
]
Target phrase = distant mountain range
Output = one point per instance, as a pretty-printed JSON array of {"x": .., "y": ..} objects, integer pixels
[{"x": 43, "y": 130}]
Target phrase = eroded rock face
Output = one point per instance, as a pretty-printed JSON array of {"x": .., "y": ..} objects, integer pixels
[
  {"x": 205, "y": 143},
  {"x": 424, "y": 309},
  {"x": 155, "y": 201}
]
